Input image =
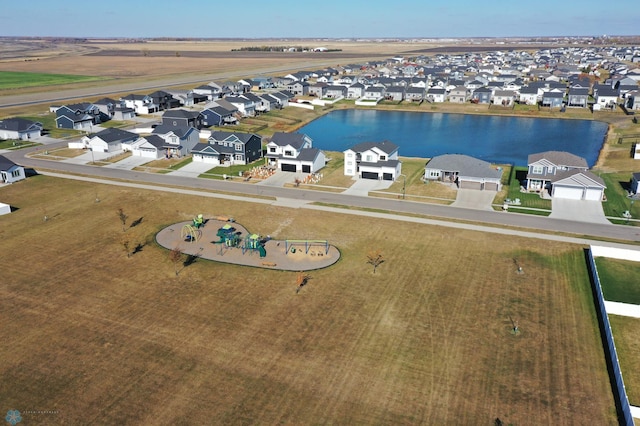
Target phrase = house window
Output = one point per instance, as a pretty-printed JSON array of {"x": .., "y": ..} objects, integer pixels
[
  {"x": 15, "y": 173},
  {"x": 288, "y": 153},
  {"x": 349, "y": 171},
  {"x": 349, "y": 163},
  {"x": 238, "y": 157},
  {"x": 369, "y": 158},
  {"x": 272, "y": 150},
  {"x": 350, "y": 154},
  {"x": 238, "y": 147},
  {"x": 537, "y": 170},
  {"x": 383, "y": 158}
]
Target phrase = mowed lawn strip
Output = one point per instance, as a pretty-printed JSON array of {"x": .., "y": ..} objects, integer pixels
[
  {"x": 16, "y": 79},
  {"x": 104, "y": 338},
  {"x": 619, "y": 279},
  {"x": 625, "y": 333}
]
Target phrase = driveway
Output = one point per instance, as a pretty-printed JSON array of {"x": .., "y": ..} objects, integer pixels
[
  {"x": 129, "y": 163},
  {"x": 279, "y": 178},
  {"x": 361, "y": 187},
  {"x": 578, "y": 210},
  {"x": 474, "y": 199},
  {"x": 193, "y": 169}
]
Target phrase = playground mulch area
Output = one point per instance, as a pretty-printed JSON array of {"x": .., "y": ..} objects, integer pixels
[{"x": 281, "y": 255}]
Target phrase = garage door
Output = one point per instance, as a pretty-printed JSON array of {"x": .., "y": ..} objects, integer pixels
[
  {"x": 387, "y": 176},
  {"x": 491, "y": 186},
  {"x": 287, "y": 167},
  {"x": 306, "y": 168},
  {"x": 566, "y": 192},
  {"x": 593, "y": 194},
  {"x": 369, "y": 175},
  {"x": 469, "y": 184}
]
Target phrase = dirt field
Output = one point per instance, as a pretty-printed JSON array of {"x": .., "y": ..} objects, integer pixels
[{"x": 102, "y": 338}]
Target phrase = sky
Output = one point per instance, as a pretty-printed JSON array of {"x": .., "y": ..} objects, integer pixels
[{"x": 318, "y": 19}]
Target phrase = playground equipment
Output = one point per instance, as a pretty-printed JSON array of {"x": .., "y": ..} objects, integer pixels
[
  {"x": 254, "y": 243},
  {"x": 228, "y": 236},
  {"x": 190, "y": 234},
  {"x": 290, "y": 245},
  {"x": 198, "y": 221}
]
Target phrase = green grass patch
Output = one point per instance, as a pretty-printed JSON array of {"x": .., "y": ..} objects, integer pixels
[
  {"x": 532, "y": 200},
  {"x": 625, "y": 332},
  {"x": 231, "y": 171},
  {"x": 19, "y": 80},
  {"x": 620, "y": 280},
  {"x": 616, "y": 193},
  {"x": 17, "y": 144}
]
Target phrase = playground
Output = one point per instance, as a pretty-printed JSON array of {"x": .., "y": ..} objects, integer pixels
[{"x": 222, "y": 239}]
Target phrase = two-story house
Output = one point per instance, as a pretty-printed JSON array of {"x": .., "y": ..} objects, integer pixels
[
  {"x": 228, "y": 148},
  {"x": 179, "y": 141},
  {"x": 182, "y": 118},
  {"x": 293, "y": 152},
  {"x": 373, "y": 160},
  {"x": 563, "y": 175}
]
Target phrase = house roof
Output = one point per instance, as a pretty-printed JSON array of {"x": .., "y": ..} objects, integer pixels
[
  {"x": 296, "y": 140},
  {"x": 205, "y": 148},
  {"x": 242, "y": 137},
  {"x": 308, "y": 154},
  {"x": 5, "y": 163},
  {"x": 114, "y": 135},
  {"x": 18, "y": 124},
  {"x": 385, "y": 146},
  {"x": 464, "y": 165},
  {"x": 155, "y": 140},
  {"x": 578, "y": 178},
  {"x": 181, "y": 132},
  {"x": 180, "y": 113},
  {"x": 559, "y": 158}
]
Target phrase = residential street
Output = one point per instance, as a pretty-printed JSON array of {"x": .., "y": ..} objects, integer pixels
[{"x": 300, "y": 198}]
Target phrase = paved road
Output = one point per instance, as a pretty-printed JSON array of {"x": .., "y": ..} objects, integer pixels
[{"x": 302, "y": 196}]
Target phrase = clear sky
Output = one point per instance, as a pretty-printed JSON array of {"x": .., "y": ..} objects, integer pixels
[{"x": 318, "y": 19}]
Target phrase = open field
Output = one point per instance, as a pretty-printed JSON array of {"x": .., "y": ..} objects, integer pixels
[
  {"x": 619, "y": 280},
  {"x": 103, "y": 338},
  {"x": 15, "y": 80}
]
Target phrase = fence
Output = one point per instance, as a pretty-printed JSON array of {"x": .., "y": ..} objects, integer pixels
[{"x": 619, "y": 392}]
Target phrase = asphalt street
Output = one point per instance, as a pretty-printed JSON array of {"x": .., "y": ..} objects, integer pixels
[{"x": 299, "y": 196}]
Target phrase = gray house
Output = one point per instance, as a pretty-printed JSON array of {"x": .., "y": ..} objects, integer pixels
[
  {"x": 465, "y": 171},
  {"x": 578, "y": 97},
  {"x": 552, "y": 99}
]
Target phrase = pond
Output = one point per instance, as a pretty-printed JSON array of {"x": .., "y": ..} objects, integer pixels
[{"x": 497, "y": 139}]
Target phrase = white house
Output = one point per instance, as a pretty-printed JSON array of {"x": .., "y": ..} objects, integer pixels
[
  {"x": 9, "y": 171},
  {"x": 20, "y": 129},
  {"x": 108, "y": 140},
  {"x": 373, "y": 160},
  {"x": 151, "y": 147},
  {"x": 141, "y": 104},
  {"x": 293, "y": 152}
]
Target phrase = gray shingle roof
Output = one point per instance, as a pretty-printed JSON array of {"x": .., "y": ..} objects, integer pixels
[
  {"x": 559, "y": 158},
  {"x": 464, "y": 165}
]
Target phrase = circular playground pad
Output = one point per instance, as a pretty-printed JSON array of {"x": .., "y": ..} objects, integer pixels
[{"x": 229, "y": 242}]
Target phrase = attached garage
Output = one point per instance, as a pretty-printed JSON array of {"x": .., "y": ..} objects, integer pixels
[
  {"x": 306, "y": 168},
  {"x": 370, "y": 175},
  {"x": 593, "y": 194},
  {"x": 570, "y": 193},
  {"x": 387, "y": 176},
  {"x": 470, "y": 184},
  {"x": 491, "y": 186},
  {"x": 287, "y": 167}
]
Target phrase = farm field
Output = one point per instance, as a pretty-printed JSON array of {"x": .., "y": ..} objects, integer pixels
[
  {"x": 101, "y": 337},
  {"x": 16, "y": 80}
]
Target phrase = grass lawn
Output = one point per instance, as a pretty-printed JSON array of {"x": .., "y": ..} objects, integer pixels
[
  {"x": 625, "y": 333},
  {"x": 17, "y": 144},
  {"x": 620, "y": 280},
  {"x": 48, "y": 121},
  {"x": 18, "y": 80},
  {"x": 103, "y": 338},
  {"x": 616, "y": 192},
  {"x": 218, "y": 172},
  {"x": 526, "y": 199}
]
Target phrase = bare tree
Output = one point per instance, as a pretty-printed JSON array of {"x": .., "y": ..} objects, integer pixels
[
  {"x": 127, "y": 246},
  {"x": 375, "y": 259},
  {"x": 176, "y": 257},
  {"x": 123, "y": 219},
  {"x": 301, "y": 280}
]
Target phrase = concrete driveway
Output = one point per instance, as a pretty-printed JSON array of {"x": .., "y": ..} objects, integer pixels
[
  {"x": 193, "y": 169},
  {"x": 361, "y": 187},
  {"x": 129, "y": 163},
  {"x": 279, "y": 178},
  {"x": 578, "y": 210},
  {"x": 474, "y": 199}
]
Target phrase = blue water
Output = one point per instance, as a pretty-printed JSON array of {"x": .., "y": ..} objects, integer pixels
[{"x": 497, "y": 139}]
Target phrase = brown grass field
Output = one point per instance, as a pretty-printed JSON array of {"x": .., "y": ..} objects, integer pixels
[{"x": 102, "y": 338}]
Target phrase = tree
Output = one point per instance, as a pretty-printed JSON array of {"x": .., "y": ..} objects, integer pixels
[
  {"x": 176, "y": 257},
  {"x": 301, "y": 280},
  {"x": 126, "y": 244},
  {"x": 123, "y": 219},
  {"x": 375, "y": 259}
]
